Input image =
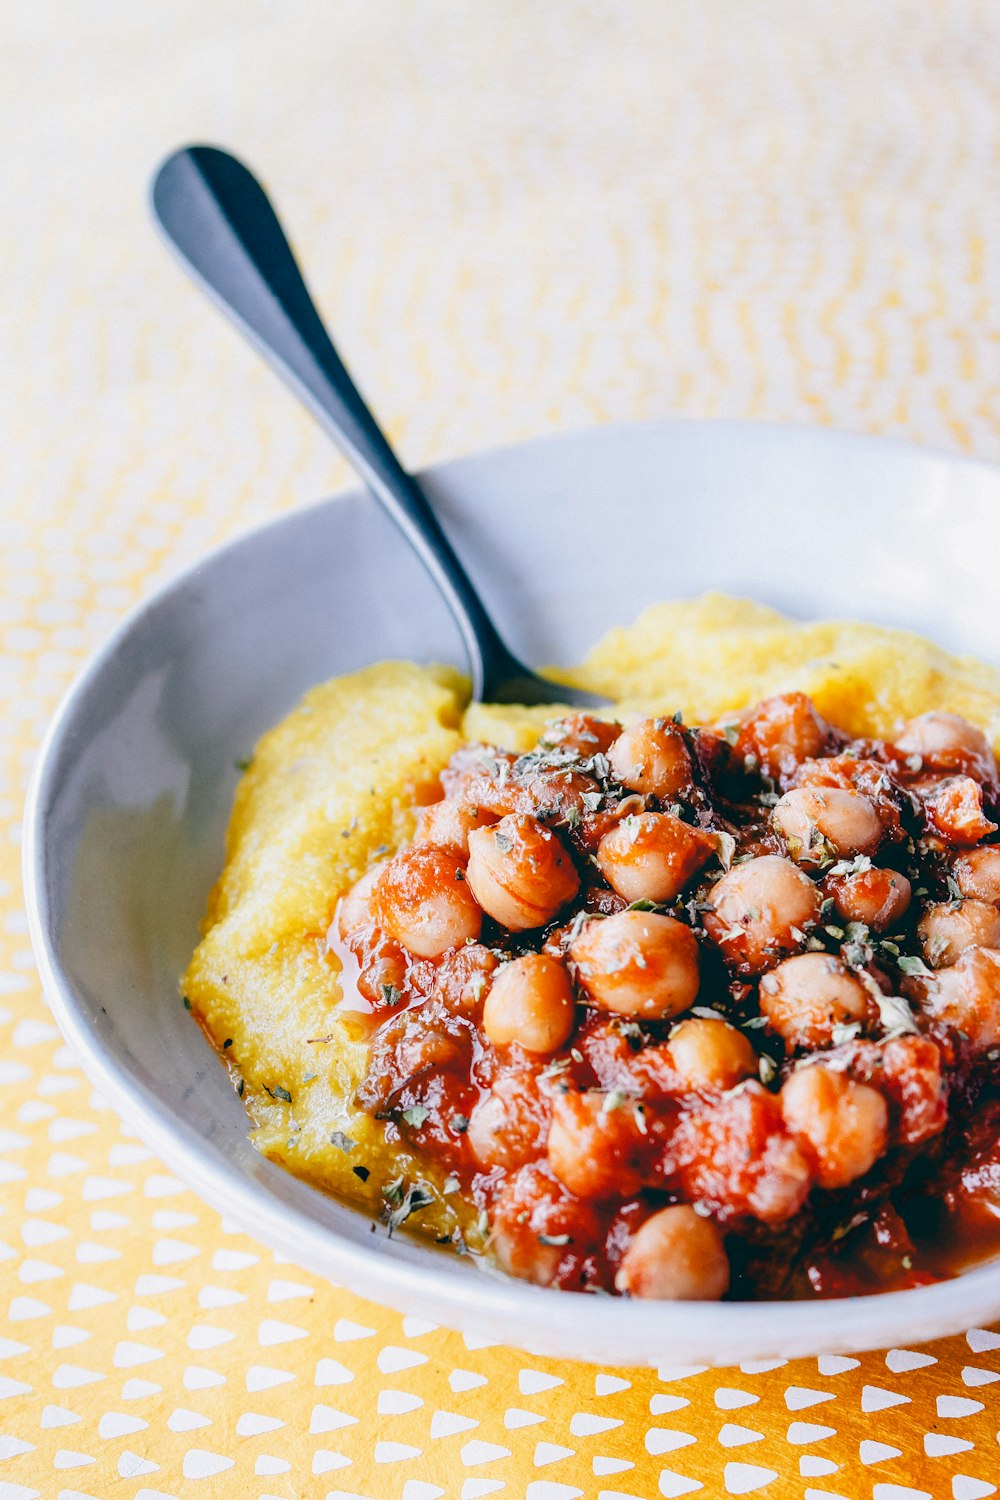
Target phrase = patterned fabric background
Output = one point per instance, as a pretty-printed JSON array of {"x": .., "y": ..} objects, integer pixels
[{"x": 519, "y": 217}]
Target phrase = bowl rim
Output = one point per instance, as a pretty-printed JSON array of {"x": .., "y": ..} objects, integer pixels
[{"x": 501, "y": 1305}]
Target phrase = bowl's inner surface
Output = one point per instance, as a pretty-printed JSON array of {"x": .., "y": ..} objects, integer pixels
[{"x": 567, "y": 537}]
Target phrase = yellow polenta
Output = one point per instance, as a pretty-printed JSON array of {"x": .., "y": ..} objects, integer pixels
[{"x": 331, "y": 789}]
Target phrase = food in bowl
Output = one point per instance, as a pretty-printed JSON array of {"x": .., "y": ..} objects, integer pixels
[{"x": 695, "y": 999}]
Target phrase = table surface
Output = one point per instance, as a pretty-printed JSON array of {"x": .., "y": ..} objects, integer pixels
[{"x": 519, "y": 218}]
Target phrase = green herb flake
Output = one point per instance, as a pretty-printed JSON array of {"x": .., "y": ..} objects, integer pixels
[
  {"x": 600, "y": 767},
  {"x": 725, "y": 848},
  {"x": 592, "y": 800},
  {"x": 342, "y": 1142},
  {"x": 417, "y": 1197},
  {"x": 415, "y": 1115},
  {"x": 858, "y": 865},
  {"x": 390, "y": 994},
  {"x": 394, "y": 1190},
  {"x": 460, "y": 1124},
  {"x": 187, "y": 1003},
  {"x": 843, "y": 1230},
  {"x": 278, "y": 1092},
  {"x": 911, "y": 964},
  {"x": 503, "y": 842},
  {"x": 227, "y": 1044},
  {"x": 895, "y": 1015},
  {"x": 243, "y": 763},
  {"x": 362, "y": 1172}
]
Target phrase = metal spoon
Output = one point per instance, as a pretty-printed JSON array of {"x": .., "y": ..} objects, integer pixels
[{"x": 217, "y": 217}]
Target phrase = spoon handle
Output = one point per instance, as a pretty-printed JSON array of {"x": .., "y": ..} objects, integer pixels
[{"x": 218, "y": 218}]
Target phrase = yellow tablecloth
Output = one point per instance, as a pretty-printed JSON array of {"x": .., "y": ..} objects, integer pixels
[{"x": 519, "y": 217}]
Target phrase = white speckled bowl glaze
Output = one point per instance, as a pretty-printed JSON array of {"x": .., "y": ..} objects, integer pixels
[{"x": 566, "y": 536}]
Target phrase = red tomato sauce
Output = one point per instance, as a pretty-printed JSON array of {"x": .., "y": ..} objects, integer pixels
[{"x": 832, "y": 1121}]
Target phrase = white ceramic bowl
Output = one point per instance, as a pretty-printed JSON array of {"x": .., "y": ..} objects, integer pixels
[{"x": 566, "y": 536}]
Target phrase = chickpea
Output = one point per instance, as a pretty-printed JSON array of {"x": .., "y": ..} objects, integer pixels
[
  {"x": 946, "y": 929},
  {"x": 947, "y": 742},
  {"x": 531, "y": 1002},
  {"x": 449, "y": 824},
  {"x": 520, "y": 872},
  {"x": 409, "y": 1049},
  {"x": 582, "y": 734},
  {"x": 463, "y": 979},
  {"x": 355, "y": 909},
  {"x": 380, "y": 976},
  {"x": 967, "y": 997},
  {"x": 879, "y": 898},
  {"x": 844, "y": 1125},
  {"x": 473, "y": 766},
  {"x": 861, "y": 774},
  {"x": 652, "y": 757},
  {"x": 652, "y": 856},
  {"x": 780, "y": 733},
  {"x": 736, "y": 1154},
  {"x": 638, "y": 963},
  {"x": 594, "y": 1150},
  {"x": 761, "y": 909},
  {"x": 806, "y": 996},
  {"x": 537, "y": 1226},
  {"x": 508, "y": 1125},
  {"x": 422, "y": 899},
  {"x": 500, "y": 789},
  {"x": 977, "y": 873},
  {"x": 913, "y": 1080},
  {"x": 816, "y": 821},
  {"x": 709, "y": 1054},
  {"x": 676, "y": 1255},
  {"x": 954, "y": 809}
]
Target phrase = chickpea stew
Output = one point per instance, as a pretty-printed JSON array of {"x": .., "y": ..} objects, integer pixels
[{"x": 646, "y": 1008}]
